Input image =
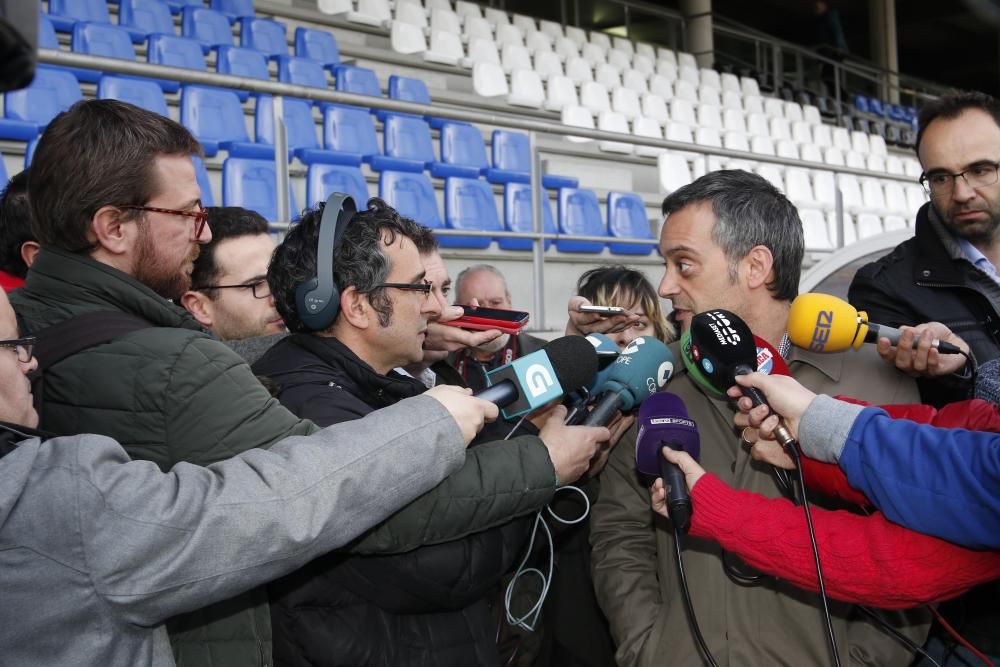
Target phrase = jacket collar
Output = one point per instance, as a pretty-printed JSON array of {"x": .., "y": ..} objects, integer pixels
[
  {"x": 12, "y": 434},
  {"x": 66, "y": 284}
]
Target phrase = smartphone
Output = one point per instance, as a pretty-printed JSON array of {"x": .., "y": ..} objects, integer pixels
[
  {"x": 480, "y": 318},
  {"x": 602, "y": 310}
]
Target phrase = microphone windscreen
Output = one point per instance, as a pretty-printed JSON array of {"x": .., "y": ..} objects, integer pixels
[
  {"x": 824, "y": 323},
  {"x": 663, "y": 418},
  {"x": 720, "y": 342},
  {"x": 644, "y": 366},
  {"x": 694, "y": 370},
  {"x": 573, "y": 360}
]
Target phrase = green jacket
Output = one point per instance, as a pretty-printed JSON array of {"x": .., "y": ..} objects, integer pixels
[{"x": 169, "y": 393}]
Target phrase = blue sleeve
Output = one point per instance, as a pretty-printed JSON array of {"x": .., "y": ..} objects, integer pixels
[{"x": 943, "y": 482}]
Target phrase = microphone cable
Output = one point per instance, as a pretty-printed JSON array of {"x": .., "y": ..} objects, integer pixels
[{"x": 688, "y": 606}]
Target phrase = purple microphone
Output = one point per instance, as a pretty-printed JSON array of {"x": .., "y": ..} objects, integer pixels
[{"x": 664, "y": 422}]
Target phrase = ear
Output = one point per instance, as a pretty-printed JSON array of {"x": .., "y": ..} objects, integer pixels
[
  {"x": 113, "y": 235},
  {"x": 355, "y": 308},
  {"x": 29, "y": 250},
  {"x": 758, "y": 265},
  {"x": 200, "y": 307}
]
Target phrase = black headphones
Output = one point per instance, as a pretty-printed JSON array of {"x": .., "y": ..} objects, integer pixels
[{"x": 318, "y": 298}]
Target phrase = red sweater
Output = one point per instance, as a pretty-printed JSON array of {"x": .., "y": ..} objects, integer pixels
[{"x": 865, "y": 559}]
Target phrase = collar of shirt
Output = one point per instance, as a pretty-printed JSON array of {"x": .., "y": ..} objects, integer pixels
[{"x": 978, "y": 259}]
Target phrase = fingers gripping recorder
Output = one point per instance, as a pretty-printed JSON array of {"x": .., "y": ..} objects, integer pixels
[{"x": 722, "y": 347}]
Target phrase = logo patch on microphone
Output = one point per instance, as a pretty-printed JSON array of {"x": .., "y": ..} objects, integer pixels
[
  {"x": 765, "y": 361},
  {"x": 707, "y": 365},
  {"x": 537, "y": 380}
]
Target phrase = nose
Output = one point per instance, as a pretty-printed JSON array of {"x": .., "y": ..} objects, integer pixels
[
  {"x": 204, "y": 234},
  {"x": 432, "y": 307},
  {"x": 962, "y": 191},
  {"x": 29, "y": 366},
  {"x": 668, "y": 284}
]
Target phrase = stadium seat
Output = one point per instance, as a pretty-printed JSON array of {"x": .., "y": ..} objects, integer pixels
[
  {"x": 350, "y": 133},
  {"x": 627, "y": 220},
  {"x": 636, "y": 81},
  {"x": 406, "y": 38},
  {"x": 688, "y": 75},
  {"x": 215, "y": 117},
  {"x": 408, "y": 89},
  {"x": 624, "y": 45},
  {"x": 469, "y": 205},
  {"x": 667, "y": 70},
  {"x": 579, "y": 70},
  {"x": 101, "y": 39},
  {"x": 265, "y": 35},
  {"x": 876, "y": 163},
  {"x": 201, "y": 174},
  {"x": 802, "y": 132},
  {"x": 481, "y": 50},
  {"x": 408, "y": 145},
  {"x": 411, "y": 194},
  {"x": 318, "y": 45},
  {"x": 825, "y": 189},
  {"x": 518, "y": 217},
  {"x": 240, "y": 61},
  {"x": 64, "y": 14},
  {"x": 771, "y": 173},
  {"x": 833, "y": 156},
  {"x": 757, "y": 125},
  {"x": 234, "y": 9},
  {"x": 643, "y": 65},
  {"x": 547, "y": 64},
  {"x": 445, "y": 48},
  {"x": 682, "y": 111},
  {"x": 206, "y": 26},
  {"x": 579, "y": 215},
  {"x": 815, "y": 230},
  {"x": 799, "y": 189},
  {"x": 411, "y": 14},
  {"x": 145, "y": 17},
  {"x": 915, "y": 198},
  {"x": 174, "y": 51},
  {"x": 645, "y": 50},
  {"x": 359, "y": 80},
  {"x": 508, "y": 34},
  {"x": 651, "y": 129},
  {"x": 786, "y": 148},
  {"x": 667, "y": 55},
  {"x": 177, "y": 6},
  {"x": 709, "y": 78},
  {"x": 578, "y": 35},
  {"x": 869, "y": 224},
  {"x": 142, "y": 93},
  {"x": 611, "y": 121},
  {"x": 446, "y": 21},
  {"x": 497, "y": 17},
  {"x": 855, "y": 160},
  {"x": 512, "y": 162},
  {"x": 594, "y": 96},
  {"x": 849, "y": 231},
  {"x": 251, "y": 184},
  {"x": 607, "y": 75},
  {"x": 762, "y": 145},
  {"x": 300, "y": 129},
  {"x": 463, "y": 152},
  {"x": 822, "y": 136},
  {"x": 47, "y": 38},
  {"x": 619, "y": 59},
  {"x": 578, "y": 117},
  {"x": 560, "y": 92},
  {"x": 526, "y": 89},
  {"x": 538, "y": 42},
  {"x": 551, "y": 28},
  {"x": 653, "y": 106},
  {"x": 302, "y": 72},
  {"x": 566, "y": 48},
  {"x": 514, "y": 56},
  {"x": 685, "y": 90},
  {"x": 468, "y": 9},
  {"x": 324, "y": 179},
  {"x": 593, "y": 54},
  {"x": 27, "y": 111}
]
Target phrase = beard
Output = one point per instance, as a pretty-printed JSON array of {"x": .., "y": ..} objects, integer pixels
[
  {"x": 977, "y": 231},
  {"x": 154, "y": 272}
]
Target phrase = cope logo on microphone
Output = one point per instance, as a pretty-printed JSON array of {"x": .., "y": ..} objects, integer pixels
[{"x": 821, "y": 333}]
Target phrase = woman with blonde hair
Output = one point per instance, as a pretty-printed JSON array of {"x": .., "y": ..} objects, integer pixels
[{"x": 629, "y": 289}]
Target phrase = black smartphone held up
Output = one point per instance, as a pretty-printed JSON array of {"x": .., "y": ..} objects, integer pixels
[
  {"x": 602, "y": 310},
  {"x": 481, "y": 318}
]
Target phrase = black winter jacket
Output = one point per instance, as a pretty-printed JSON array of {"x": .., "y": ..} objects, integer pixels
[
  {"x": 928, "y": 279},
  {"x": 427, "y": 607}
]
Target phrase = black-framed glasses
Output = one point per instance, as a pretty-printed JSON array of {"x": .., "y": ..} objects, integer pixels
[
  {"x": 200, "y": 216},
  {"x": 259, "y": 288},
  {"x": 978, "y": 175},
  {"x": 23, "y": 346},
  {"x": 424, "y": 287}
]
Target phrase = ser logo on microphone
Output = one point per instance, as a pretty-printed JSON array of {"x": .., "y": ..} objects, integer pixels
[
  {"x": 821, "y": 333},
  {"x": 537, "y": 380}
]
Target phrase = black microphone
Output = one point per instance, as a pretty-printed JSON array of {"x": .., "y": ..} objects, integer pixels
[
  {"x": 664, "y": 422},
  {"x": 563, "y": 365},
  {"x": 640, "y": 370}
]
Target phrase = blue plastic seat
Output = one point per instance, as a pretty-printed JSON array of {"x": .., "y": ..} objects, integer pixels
[
  {"x": 47, "y": 38},
  {"x": 29, "y": 152},
  {"x": 234, "y": 9},
  {"x": 463, "y": 152},
  {"x": 145, "y": 17},
  {"x": 517, "y": 216},
  {"x": 201, "y": 174},
  {"x": 408, "y": 145},
  {"x": 349, "y": 133},
  {"x": 469, "y": 205},
  {"x": 412, "y": 194},
  {"x": 215, "y": 117},
  {"x": 239, "y": 61},
  {"x": 512, "y": 162},
  {"x": 207, "y": 27},
  {"x": 101, "y": 39},
  {"x": 318, "y": 45},
  {"x": 177, "y": 6},
  {"x": 265, "y": 35},
  {"x": 324, "y": 179},
  {"x": 141, "y": 93},
  {"x": 251, "y": 184},
  {"x": 360, "y": 80},
  {"x": 861, "y": 104},
  {"x": 300, "y": 129},
  {"x": 876, "y": 107},
  {"x": 627, "y": 220},
  {"x": 176, "y": 52},
  {"x": 52, "y": 92},
  {"x": 3, "y": 174},
  {"x": 301, "y": 71},
  {"x": 580, "y": 215},
  {"x": 64, "y": 14},
  {"x": 408, "y": 89},
  {"x": 897, "y": 113}
]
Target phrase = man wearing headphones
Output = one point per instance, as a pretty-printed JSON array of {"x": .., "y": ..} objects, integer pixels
[{"x": 353, "y": 289}]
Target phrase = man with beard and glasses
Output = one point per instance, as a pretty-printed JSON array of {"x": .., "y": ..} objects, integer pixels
[
  {"x": 117, "y": 209},
  {"x": 947, "y": 272}
]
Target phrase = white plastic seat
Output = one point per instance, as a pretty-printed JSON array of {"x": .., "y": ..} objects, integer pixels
[
  {"x": 825, "y": 189},
  {"x": 682, "y": 111},
  {"x": 810, "y": 114},
  {"x": 476, "y": 27},
  {"x": 733, "y": 121},
  {"x": 674, "y": 171},
  {"x": 666, "y": 54},
  {"x": 685, "y": 90},
  {"x": 548, "y": 64},
  {"x": 624, "y": 45},
  {"x": 551, "y": 28},
  {"x": 577, "y": 116},
  {"x": 413, "y": 14},
  {"x": 749, "y": 86},
  {"x": 335, "y": 7},
  {"x": 593, "y": 54},
  {"x": 497, "y": 17},
  {"x": 873, "y": 196},
  {"x": 446, "y": 20},
  {"x": 911, "y": 167},
  {"x": 371, "y": 12},
  {"x": 708, "y": 136},
  {"x": 850, "y": 191},
  {"x": 895, "y": 199},
  {"x": 779, "y": 129},
  {"x": 654, "y": 107},
  {"x": 626, "y": 102},
  {"x": 526, "y": 89},
  {"x": 814, "y": 230},
  {"x": 859, "y": 142},
  {"x": 662, "y": 86},
  {"x": 438, "y": 4},
  {"x": 869, "y": 224},
  {"x": 645, "y": 49},
  {"x": 686, "y": 60},
  {"x": 854, "y": 160},
  {"x": 509, "y": 34},
  {"x": 893, "y": 165},
  {"x": 732, "y": 100},
  {"x": 514, "y": 56},
  {"x": 730, "y": 83},
  {"x": 578, "y": 35},
  {"x": 877, "y": 144},
  {"x": 607, "y": 75},
  {"x": 566, "y": 48},
  {"x": 834, "y": 156},
  {"x": 482, "y": 51},
  {"x": 757, "y": 125},
  {"x": 736, "y": 141},
  {"x": 619, "y": 59},
  {"x": 407, "y": 38},
  {"x": 709, "y": 77},
  {"x": 579, "y": 70},
  {"x": 709, "y": 95},
  {"x": 594, "y": 97},
  {"x": 647, "y": 127},
  {"x": 635, "y": 80},
  {"x": 560, "y": 91},
  {"x": 753, "y": 104},
  {"x": 689, "y": 74},
  {"x": 488, "y": 80},
  {"x": 850, "y": 233},
  {"x": 525, "y": 23},
  {"x": 821, "y": 136},
  {"x": 446, "y": 48},
  {"x": 772, "y": 174},
  {"x": 774, "y": 108},
  {"x": 709, "y": 116},
  {"x": 610, "y": 121},
  {"x": 537, "y": 42},
  {"x": 643, "y": 64},
  {"x": 875, "y": 162},
  {"x": 600, "y": 39},
  {"x": 915, "y": 198},
  {"x": 786, "y": 148},
  {"x": 799, "y": 189},
  {"x": 793, "y": 111},
  {"x": 801, "y": 132},
  {"x": 667, "y": 70},
  {"x": 761, "y": 145},
  {"x": 810, "y": 153},
  {"x": 893, "y": 222},
  {"x": 468, "y": 10},
  {"x": 841, "y": 138}
]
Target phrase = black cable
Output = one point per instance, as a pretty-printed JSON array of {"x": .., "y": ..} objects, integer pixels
[
  {"x": 909, "y": 643},
  {"x": 687, "y": 601}
]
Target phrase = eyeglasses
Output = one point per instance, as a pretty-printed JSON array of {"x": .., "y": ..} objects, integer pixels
[
  {"x": 23, "y": 347},
  {"x": 200, "y": 216},
  {"x": 978, "y": 175},
  {"x": 259, "y": 288},
  {"x": 424, "y": 287}
]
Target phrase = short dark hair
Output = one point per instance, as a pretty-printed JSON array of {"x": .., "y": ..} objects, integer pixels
[
  {"x": 226, "y": 222},
  {"x": 951, "y": 106},
  {"x": 749, "y": 211},
  {"x": 621, "y": 286},
  {"x": 98, "y": 153},
  {"x": 15, "y": 225},
  {"x": 359, "y": 261}
]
